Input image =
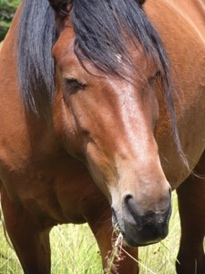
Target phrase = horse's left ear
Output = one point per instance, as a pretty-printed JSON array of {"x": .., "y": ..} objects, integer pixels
[{"x": 61, "y": 7}]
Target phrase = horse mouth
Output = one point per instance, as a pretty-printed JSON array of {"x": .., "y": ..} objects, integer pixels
[{"x": 136, "y": 236}]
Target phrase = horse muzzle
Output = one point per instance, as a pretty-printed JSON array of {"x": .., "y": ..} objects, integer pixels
[{"x": 141, "y": 227}]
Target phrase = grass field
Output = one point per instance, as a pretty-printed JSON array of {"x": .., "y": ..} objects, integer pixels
[{"x": 74, "y": 251}]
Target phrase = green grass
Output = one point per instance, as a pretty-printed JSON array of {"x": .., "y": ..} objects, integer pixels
[{"x": 74, "y": 251}]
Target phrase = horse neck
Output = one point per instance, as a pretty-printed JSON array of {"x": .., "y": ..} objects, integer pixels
[{"x": 192, "y": 11}]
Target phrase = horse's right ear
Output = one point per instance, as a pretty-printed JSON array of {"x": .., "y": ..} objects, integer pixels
[{"x": 61, "y": 7}]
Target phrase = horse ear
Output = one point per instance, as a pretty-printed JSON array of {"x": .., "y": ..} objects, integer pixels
[{"x": 61, "y": 7}]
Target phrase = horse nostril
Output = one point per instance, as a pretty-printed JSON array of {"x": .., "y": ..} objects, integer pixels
[
  {"x": 145, "y": 209},
  {"x": 130, "y": 203},
  {"x": 127, "y": 198},
  {"x": 130, "y": 206}
]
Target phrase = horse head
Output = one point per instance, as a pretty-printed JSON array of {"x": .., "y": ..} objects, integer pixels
[{"x": 106, "y": 109}]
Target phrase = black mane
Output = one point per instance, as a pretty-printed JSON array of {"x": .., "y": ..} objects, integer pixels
[
  {"x": 105, "y": 29},
  {"x": 102, "y": 28},
  {"x": 36, "y": 37}
]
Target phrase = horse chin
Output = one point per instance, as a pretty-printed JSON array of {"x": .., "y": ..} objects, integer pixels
[
  {"x": 129, "y": 242},
  {"x": 134, "y": 240}
]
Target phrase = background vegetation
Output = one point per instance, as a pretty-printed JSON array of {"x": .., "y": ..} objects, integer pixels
[{"x": 7, "y": 10}]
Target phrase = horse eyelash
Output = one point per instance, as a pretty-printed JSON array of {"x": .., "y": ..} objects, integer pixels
[{"x": 73, "y": 84}]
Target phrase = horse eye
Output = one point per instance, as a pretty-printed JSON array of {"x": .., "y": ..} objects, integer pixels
[
  {"x": 154, "y": 77},
  {"x": 74, "y": 85}
]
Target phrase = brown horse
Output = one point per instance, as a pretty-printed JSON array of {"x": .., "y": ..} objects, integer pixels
[{"x": 91, "y": 135}]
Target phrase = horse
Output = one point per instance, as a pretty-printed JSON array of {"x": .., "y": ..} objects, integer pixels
[{"x": 102, "y": 115}]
